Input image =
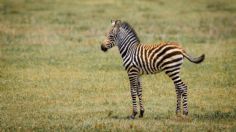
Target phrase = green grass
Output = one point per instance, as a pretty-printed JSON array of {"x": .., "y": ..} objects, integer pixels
[{"x": 54, "y": 77}]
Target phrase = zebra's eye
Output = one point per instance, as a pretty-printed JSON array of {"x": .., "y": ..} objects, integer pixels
[{"x": 111, "y": 35}]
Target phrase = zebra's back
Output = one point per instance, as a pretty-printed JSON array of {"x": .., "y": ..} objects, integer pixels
[{"x": 151, "y": 59}]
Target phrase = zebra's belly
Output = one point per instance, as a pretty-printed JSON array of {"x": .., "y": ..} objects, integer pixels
[{"x": 147, "y": 70}]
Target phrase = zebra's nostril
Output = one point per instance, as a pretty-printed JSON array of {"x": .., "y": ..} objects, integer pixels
[{"x": 103, "y": 48}]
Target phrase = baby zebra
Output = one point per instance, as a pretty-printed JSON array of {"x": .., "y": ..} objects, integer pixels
[{"x": 139, "y": 59}]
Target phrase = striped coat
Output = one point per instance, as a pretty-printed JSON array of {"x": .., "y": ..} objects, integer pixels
[{"x": 139, "y": 59}]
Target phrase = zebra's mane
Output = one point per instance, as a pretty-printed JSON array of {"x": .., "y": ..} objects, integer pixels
[{"x": 128, "y": 27}]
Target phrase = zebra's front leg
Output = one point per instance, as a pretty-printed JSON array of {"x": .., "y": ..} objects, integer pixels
[
  {"x": 139, "y": 92},
  {"x": 133, "y": 89}
]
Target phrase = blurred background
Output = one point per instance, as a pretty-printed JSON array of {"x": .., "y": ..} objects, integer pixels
[{"x": 53, "y": 75}]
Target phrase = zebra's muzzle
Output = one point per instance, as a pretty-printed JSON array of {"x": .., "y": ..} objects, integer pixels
[{"x": 103, "y": 48}]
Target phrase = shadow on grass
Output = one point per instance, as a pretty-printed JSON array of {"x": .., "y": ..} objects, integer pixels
[
  {"x": 216, "y": 115},
  {"x": 158, "y": 117},
  {"x": 119, "y": 117},
  {"x": 173, "y": 118}
]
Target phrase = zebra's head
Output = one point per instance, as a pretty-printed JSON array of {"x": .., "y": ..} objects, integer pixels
[{"x": 111, "y": 36}]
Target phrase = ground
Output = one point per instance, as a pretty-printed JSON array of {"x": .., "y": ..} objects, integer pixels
[{"x": 53, "y": 75}]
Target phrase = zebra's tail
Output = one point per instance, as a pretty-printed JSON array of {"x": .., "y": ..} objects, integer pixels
[{"x": 195, "y": 60}]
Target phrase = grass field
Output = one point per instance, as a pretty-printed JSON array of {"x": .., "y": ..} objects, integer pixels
[{"x": 54, "y": 77}]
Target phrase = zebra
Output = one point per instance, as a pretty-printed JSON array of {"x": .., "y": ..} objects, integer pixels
[{"x": 139, "y": 59}]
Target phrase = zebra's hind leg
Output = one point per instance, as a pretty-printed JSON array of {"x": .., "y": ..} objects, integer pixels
[
  {"x": 181, "y": 90},
  {"x": 185, "y": 99},
  {"x": 139, "y": 92},
  {"x": 178, "y": 104}
]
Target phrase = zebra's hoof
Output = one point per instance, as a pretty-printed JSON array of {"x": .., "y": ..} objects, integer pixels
[
  {"x": 141, "y": 114},
  {"x": 132, "y": 117},
  {"x": 185, "y": 113}
]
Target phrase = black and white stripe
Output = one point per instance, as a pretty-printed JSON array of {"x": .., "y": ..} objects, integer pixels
[{"x": 139, "y": 59}]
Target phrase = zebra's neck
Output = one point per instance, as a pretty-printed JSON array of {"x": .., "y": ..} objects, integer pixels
[
  {"x": 127, "y": 41},
  {"x": 127, "y": 44},
  {"x": 127, "y": 49}
]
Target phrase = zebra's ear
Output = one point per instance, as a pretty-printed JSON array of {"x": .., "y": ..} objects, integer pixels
[
  {"x": 115, "y": 22},
  {"x": 118, "y": 22}
]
